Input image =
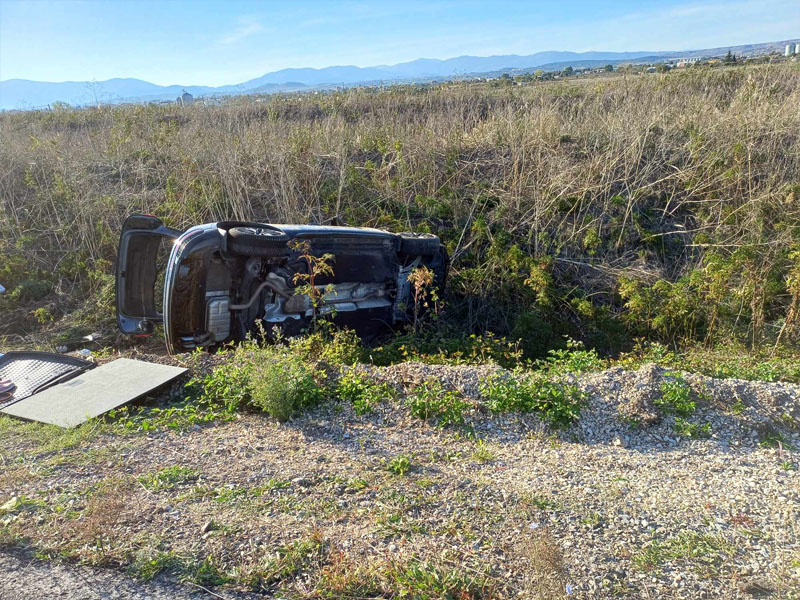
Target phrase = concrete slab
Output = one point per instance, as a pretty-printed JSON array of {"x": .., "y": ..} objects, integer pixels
[{"x": 94, "y": 393}]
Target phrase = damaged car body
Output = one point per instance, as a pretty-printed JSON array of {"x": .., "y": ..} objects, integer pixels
[{"x": 225, "y": 280}]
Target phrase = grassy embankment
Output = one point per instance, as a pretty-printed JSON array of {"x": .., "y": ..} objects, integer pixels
[{"x": 664, "y": 207}]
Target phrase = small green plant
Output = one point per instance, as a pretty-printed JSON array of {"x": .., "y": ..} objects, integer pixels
[
  {"x": 402, "y": 577},
  {"x": 21, "y": 503},
  {"x": 306, "y": 283},
  {"x": 428, "y": 581},
  {"x": 202, "y": 572},
  {"x": 593, "y": 519},
  {"x": 362, "y": 392},
  {"x": 738, "y": 407},
  {"x": 149, "y": 563},
  {"x": 227, "y": 384},
  {"x": 288, "y": 562},
  {"x": 167, "y": 478},
  {"x": 483, "y": 452},
  {"x": 399, "y": 465},
  {"x": 557, "y": 403},
  {"x": 676, "y": 397},
  {"x": 633, "y": 422},
  {"x": 575, "y": 358},
  {"x": 329, "y": 344},
  {"x": 357, "y": 484},
  {"x": 704, "y": 550},
  {"x": 431, "y": 401},
  {"x": 538, "y": 501},
  {"x": 775, "y": 439},
  {"x": 282, "y": 383},
  {"x": 692, "y": 430},
  {"x": 448, "y": 346}
]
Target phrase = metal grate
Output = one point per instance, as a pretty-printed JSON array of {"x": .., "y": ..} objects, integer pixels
[{"x": 33, "y": 372}]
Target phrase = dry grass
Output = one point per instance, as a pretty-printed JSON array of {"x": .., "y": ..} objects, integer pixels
[
  {"x": 552, "y": 198},
  {"x": 547, "y": 577}
]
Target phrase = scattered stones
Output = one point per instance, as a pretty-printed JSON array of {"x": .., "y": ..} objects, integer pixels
[{"x": 594, "y": 501}]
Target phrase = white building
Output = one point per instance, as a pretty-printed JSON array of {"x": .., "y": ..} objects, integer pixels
[
  {"x": 685, "y": 62},
  {"x": 790, "y": 49}
]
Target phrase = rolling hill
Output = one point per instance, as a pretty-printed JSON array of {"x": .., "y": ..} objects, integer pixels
[{"x": 27, "y": 94}]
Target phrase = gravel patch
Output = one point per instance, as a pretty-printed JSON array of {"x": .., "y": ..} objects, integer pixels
[
  {"x": 24, "y": 578},
  {"x": 617, "y": 505}
]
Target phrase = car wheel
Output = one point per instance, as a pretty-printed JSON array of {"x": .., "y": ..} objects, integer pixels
[
  {"x": 260, "y": 240},
  {"x": 418, "y": 244}
]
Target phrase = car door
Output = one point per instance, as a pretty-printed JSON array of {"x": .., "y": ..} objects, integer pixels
[{"x": 144, "y": 247}]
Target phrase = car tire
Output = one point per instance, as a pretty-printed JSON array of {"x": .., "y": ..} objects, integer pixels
[
  {"x": 418, "y": 244},
  {"x": 258, "y": 240}
]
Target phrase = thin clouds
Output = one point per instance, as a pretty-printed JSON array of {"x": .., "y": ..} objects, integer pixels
[
  {"x": 715, "y": 10},
  {"x": 247, "y": 27},
  {"x": 350, "y": 12}
]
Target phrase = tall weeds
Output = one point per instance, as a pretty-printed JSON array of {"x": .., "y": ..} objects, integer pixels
[{"x": 658, "y": 205}]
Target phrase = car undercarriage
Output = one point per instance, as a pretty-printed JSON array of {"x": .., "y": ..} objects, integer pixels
[{"x": 223, "y": 281}]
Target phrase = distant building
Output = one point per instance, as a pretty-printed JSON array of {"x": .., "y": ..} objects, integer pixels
[
  {"x": 789, "y": 50},
  {"x": 185, "y": 99},
  {"x": 797, "y": 48},
  {"x": 685, "y": 62}
]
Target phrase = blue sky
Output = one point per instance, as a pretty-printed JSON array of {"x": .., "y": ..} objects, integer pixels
[{"x": 223, "y": 42}]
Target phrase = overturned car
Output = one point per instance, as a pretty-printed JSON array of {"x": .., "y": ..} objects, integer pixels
[{"x": 222, "y": 280}]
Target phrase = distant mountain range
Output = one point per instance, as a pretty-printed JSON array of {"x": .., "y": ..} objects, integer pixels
[{"x": 26, "y": 94}]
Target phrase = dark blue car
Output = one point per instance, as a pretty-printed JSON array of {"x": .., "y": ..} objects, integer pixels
[{"x": 215, "y": 283}]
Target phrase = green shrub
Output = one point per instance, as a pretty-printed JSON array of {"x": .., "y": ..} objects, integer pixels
[
  {"x": 555, "y": 402},
  {"x": 676, "y": 397},
  {"x": 362, "y": 392},
  {"x": 572, "y": 359},
  {"x": 30, "y": 290},
  {"x": 227, "y": 384},
  {"x": 13, "y": 266},
  {"x": 399, "y": 465},
  {"x": 282, "y": 383},
  {"x": 447, "y": 347},
  {"x": 726, "y": 361},
  {"x": 692, "y": 430},
  {"x": 328, "y": 344},
  {"x": 535, "y": 332},
  {"x": 431, "y": 401}
]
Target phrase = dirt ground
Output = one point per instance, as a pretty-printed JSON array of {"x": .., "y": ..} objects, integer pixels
[
  {"x": 25, "y": 577},
  {"x": 614, "y": 506}
]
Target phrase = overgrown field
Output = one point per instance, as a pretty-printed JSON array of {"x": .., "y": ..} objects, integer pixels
[{"x": 656, "y": 206}]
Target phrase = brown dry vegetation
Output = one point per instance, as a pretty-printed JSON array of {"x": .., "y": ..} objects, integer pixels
[{"x": 664, "y": 205}]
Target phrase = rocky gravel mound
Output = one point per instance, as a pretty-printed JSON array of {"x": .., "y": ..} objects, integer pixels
[{"x": 669, "y": 485}]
